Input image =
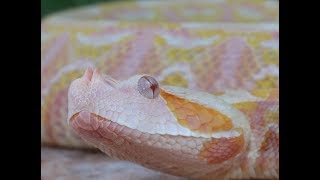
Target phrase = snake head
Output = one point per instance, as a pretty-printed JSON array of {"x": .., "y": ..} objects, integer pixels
[{"x": 171, "y": 129}]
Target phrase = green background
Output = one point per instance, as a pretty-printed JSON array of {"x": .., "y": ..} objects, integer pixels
[{"x": 50, "y": 6}]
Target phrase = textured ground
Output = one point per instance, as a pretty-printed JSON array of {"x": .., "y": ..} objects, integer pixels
[{"x": 75, "y": 164}]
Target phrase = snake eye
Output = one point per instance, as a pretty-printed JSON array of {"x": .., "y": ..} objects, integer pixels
[{"x": 148, "y": 87}]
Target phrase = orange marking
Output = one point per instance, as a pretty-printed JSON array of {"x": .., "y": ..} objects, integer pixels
[
  {"x": 219, "y": 150},
  {"x": 195, "y": 116}
]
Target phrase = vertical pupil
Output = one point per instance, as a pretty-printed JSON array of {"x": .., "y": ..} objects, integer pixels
[
  {"x": 148, "y": 87},
  {"x": 153, "y": 87}
]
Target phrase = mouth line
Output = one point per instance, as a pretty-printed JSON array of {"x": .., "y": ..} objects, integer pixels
[
  {"x": 91, "y": 122},
  {"x": 87, "y": 120},
  {"x": 84, "y": 114}
]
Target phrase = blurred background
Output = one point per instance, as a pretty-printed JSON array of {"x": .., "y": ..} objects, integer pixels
[{"x": 50, "y": 6}]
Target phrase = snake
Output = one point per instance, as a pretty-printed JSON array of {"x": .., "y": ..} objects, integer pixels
[{"x": 185, "y": 88}]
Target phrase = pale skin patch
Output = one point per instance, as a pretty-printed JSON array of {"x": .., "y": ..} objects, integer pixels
[{"x": 196, "y": 117}]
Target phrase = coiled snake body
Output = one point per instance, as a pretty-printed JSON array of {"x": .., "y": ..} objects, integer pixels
[{"x": 187, "y": 89}]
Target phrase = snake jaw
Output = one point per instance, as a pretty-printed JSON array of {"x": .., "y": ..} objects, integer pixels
[{"x": 186, "y": 156}]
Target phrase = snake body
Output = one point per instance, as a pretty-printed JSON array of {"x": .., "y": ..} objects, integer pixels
[{"x": 216, "y": 115}]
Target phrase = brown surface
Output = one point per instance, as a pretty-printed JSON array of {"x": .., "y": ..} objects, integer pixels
[{"x": 75, "y": 164}]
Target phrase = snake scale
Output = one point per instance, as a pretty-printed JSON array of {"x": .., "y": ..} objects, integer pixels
[{"x": 182, "y": 87}]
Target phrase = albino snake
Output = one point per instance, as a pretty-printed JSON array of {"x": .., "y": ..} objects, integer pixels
[{"x": 159, "y": 84}]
